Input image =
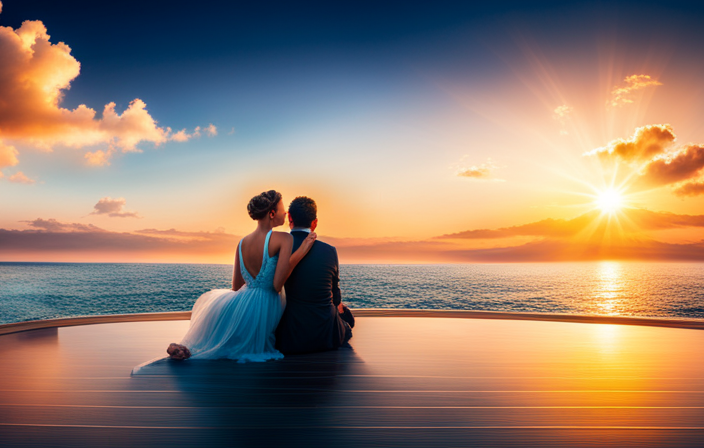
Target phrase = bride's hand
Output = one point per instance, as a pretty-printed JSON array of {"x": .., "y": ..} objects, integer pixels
[
  {"x": 302, "y": 250},
  {"x": 308, "y": 242}
]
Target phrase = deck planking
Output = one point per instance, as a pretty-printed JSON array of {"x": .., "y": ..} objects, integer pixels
[{"x": 407, "y": 381}]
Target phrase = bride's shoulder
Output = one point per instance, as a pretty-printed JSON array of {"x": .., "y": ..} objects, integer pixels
[
  {"x": 281, "y": 236},
  {"x": 279, "y": 239},
  {"x": 244, "y": 238}
]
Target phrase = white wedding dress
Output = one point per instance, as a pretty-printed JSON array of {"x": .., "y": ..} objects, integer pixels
[{"x": 239, "y": 324}]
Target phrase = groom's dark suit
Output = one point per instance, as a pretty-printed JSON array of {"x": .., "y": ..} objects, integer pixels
[{"x": 311, "y": 322}]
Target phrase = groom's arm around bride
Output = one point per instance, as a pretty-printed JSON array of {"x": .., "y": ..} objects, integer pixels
[{"x": 314, "y": 319}]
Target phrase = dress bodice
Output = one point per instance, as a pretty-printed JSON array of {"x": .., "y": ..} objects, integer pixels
[{"x": 265, "y": 277}]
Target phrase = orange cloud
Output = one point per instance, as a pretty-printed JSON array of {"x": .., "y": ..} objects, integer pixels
[
  {"x": 114, "y": 208},
  {"x": 20, "y": 178},
  {"x": 184, "y": 136},
  {"x": 476, "y": 172},
  {"x": 646, "y": 143},
  {"x": 181, "y": 136},
  {"x": 676, "y": 167},
  {"x": 647, "y": 220},
  {"x": 8, "y": 156},
  {"x": 621, "y": 95},
  {"x": 655, "y": 159},
  {"x": 99, "y": 157},
  {"x": 484, "y": 171},
  {"x": 691, "y": 189},
  {"x": 34, "y": 76},
  {"x": 209, "y": 130}
]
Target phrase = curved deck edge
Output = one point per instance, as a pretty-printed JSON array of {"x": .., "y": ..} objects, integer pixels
[
  {"x": 90, "y": 320},
  {"x": 691, "y": 324}
]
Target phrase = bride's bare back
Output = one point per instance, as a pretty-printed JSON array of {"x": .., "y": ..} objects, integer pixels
[{"x": 253, "y": 249}]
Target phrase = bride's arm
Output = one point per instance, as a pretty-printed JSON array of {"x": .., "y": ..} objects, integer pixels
[
  {"x": 237, "y": 279},
  {"x": 302, "y": 250},
  {"x": 282, "y": 267}
]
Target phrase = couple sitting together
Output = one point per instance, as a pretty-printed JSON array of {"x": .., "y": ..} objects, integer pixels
[{"x": 259, "y": 320}]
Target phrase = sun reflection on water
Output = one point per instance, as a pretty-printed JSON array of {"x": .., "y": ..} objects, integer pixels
[{"x": 610, "y": 286}]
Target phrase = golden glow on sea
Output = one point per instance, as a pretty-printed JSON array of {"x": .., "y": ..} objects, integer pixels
[{"x": 609, "y": 288}]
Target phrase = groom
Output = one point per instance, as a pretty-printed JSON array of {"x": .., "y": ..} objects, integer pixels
[{"x": 314, "y": 319}]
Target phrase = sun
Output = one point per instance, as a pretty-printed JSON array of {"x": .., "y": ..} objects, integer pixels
[{"x": 609, "y": 201}]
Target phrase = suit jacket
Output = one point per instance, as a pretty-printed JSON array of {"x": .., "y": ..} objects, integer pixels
[{"x": 311, "y": 322}]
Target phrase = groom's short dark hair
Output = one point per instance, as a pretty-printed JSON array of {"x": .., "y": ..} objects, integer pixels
[{"x": 302, "y": 211}]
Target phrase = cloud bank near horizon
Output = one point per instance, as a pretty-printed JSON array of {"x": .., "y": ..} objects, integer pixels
[
  {"x": 551, "y": 240},
  {"x": 637, "y": 220}
]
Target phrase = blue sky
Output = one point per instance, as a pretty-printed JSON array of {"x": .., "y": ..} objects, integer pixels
[{"x": 371, "y": 108}]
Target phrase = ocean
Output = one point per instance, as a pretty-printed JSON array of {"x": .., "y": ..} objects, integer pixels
[{"x": 30, "y": 291}]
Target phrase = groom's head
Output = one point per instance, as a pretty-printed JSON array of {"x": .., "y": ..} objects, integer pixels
[{"x": 303, "y": 213}]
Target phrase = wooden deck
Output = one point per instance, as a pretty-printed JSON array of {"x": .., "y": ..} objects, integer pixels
[{"x": 408, "y": 381}]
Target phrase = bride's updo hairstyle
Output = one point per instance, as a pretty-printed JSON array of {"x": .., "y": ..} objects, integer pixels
[{"x": 260, "y": 205}]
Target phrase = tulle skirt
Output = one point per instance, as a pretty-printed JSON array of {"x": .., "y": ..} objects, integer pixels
[{"x": 239, "y": 325}]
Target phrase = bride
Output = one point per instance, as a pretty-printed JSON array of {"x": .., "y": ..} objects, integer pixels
[{"x": 239, "y": 323}]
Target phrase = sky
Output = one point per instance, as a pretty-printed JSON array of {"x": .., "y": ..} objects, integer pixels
[{"x": 426, "y": 132}]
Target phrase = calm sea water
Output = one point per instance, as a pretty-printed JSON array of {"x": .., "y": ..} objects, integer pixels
[{"x": 31, "y": 291}]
